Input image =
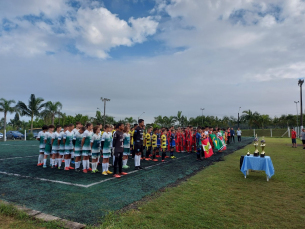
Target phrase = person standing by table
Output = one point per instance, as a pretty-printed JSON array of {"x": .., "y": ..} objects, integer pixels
[
  {"x": 238, "y": 132},
  {"x": 294, "y": 138}
]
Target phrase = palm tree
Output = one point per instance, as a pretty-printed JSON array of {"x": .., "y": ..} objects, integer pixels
[
  {"x": 32, "y": 109},
  {"x": 248, "y": 116},
  {"x": 51, "y": 110},
  {"x": 130, "y": 120},
  {"x": 5, "y": 106}
]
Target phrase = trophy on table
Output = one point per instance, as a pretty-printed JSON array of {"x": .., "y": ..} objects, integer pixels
[
  {"x": 256, "y": 153},
  {"x": 263, "y": 144},
  {"x": 248, "y": 154}
]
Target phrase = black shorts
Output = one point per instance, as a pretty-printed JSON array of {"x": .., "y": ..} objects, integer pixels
[
  {"x": 148, "y": 148},
  {"x": 294, "y": 140},
  {"x": 303, "y": 141},
  {"x": 138, "y": 148}
]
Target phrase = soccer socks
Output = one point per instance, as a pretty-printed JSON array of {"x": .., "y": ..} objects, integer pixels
[
  {"x": 40, "y": 158},
  {"x": 136, "y": 160},
  {"x": 44, "y": 161},
  {"x": 66, "y": 163},
  {"x": 104, "y": 165},
  {"x": 51, "y": 161},
  {"x": 172, "y": 153},
  {"x": 125, "y": 162},
  {"x": 77, "y": 165},
  {"x": 88, "y": 164},
  {"x": 163, "y": 155}
]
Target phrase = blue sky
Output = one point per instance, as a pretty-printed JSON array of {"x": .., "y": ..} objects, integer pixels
[{"x": 157, "y": 56}]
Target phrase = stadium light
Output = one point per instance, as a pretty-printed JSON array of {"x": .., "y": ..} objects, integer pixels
[
  {"x": 105, "y": 100},
  {"x": 300, "y": 83},
  {"x": 238, "y": 117},
  {"x": 202, "y": 109}
]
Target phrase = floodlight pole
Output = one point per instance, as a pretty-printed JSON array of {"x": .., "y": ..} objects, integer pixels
[
  {"x": 202, "y": 109},
  {"x": 105, "y": 100},
  {"x": 300, "y": 83},
  {"x": 238, "y": 117},
  {"x": 296, "y": 104}
]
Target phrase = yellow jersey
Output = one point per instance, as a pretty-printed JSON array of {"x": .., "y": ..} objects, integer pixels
[
  {"x": 131, "y": 137},
  {"x": 163, "y": 141},
  {"x": 154, "y": 140},
  {"x": 148, "y": 140}
]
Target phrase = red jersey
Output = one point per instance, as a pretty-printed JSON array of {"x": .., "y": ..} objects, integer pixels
[{"x": 293, "y": 134}]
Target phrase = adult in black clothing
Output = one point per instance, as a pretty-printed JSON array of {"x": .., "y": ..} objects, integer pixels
[
  {"x": 118, "y": 150},
  {"x": 138, "y": 144},
  {"x": 232, "y": 135}
]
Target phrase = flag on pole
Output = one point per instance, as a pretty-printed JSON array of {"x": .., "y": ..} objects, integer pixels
[
  {"x": 222, "y": 144},
  {"x": 207, "y": 148},
  {"x": 215, "y": 142}
]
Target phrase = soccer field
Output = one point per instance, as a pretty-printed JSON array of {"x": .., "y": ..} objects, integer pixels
[{"x": 86, "y": 198}]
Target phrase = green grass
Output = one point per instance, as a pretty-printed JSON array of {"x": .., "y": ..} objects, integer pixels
[
  {"x": 220, "y": 197},
  {"x": 11, "y": 217}
]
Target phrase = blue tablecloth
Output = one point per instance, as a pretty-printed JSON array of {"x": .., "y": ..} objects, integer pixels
[{"x": 258, "y": 163}]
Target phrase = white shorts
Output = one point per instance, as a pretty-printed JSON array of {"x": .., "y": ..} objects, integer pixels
[
  {"x": 41, "y": 151},
  {"x": 106, "y": 155},
  {"x": 54, "y": 151},
  {"x": 68, "y": 151}
]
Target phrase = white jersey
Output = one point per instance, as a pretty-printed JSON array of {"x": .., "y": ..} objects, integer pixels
[
  {"x": 75, "y": 131},
  {"x": 41, "y": 136},
  {"x": 96, "y": 146},
  {"x": 206, "y": 132},
  {"x": 87, "y": 135},
  {"x": 238, "y": 132},
  {"x": 107, "y": 139},
  {"x": 69, "y": 137},
  {"x": 55, "y": 137},
  {"x": 126, "y": 141},
  {"x": 61, "y": 137}
]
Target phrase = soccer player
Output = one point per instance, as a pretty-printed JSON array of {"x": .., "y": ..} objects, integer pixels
[
  {"x": 158, "y": 143},
  {"x": 118, "y": 150},
  {"x": 55, "y": 147},
  {"x": 177, "y": 136},
  {"x": 86, "y": 148},
  {"x": 154, "y": 139},
  {"x": 138, "y": 144},
  {"x": 148, "y": 143},
  {"x": 68, "y": 138},
  {"x": 95, "y": 147},
  {"x": 106, "y": 149},
  {"x": 163, "y": 144},
  {"x": 199, "y": 144},
  {"x": 126, "y": 144},
  {"x": 172, "y": 143},
  {"x": 78, "y": 125},
  {"x": 132, "y": 140},
  {"x": 48, "y": 146},
  {"x": 60, "y": 158},
  {"x": 42, "y": 145},
  {"x": 78, "y": 148}
]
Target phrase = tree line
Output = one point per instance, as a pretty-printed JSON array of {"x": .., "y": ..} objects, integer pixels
[{"x": 41, "y": 113}]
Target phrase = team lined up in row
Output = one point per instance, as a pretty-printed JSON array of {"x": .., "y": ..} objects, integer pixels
[{"x": 83, "y": 143}]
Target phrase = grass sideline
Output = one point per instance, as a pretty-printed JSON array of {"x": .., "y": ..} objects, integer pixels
[
  {"x": 220, "y": 197},
  {"x": 11, "y": 217}
]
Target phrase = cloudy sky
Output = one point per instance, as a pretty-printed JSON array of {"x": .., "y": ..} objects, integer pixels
[{"x": 154, "y": 56}]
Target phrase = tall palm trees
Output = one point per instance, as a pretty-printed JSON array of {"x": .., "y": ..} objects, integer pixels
[
  {"x": 51, "y": 109},
  {"x": 5, "y": 107},
  {"x": 33, "y": 108},
  {"x": 130, "y": 120}
]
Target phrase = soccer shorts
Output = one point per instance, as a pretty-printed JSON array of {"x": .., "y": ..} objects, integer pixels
[
  {"x": 294, "y": 140},
  {"x": 61, "y": 151},
  {"x": 106, "y": 155},
  {"x": 138, "y": 149},
  {"x": 85, "y": 153},
  {"x": 68, "y": 151},
  {"x": 126, "y": 151},
  {"x": 54, "y": 151},
  {"x": 41, "y": 150},
  {"x": 303, "y": 141},
  {"x": 46, "y": 152},
  {"x": 77, "y": 153},
  {"x": 95, "y": 155}
]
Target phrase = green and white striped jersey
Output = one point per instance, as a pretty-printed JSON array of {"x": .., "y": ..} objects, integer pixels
[
  {"x": 55, "y": 145},
  {"x": 69, "y": 137},
  {"x": 41, "y": 136},
  {"x": 126, "y": 141},
  {"x": 61, "y": 138},
  {"x": 78, "y": 141},
  {"x": 87, "y": 135},
  {"x": 107, "y": 139},
  {"x": 96, "y": 146}
]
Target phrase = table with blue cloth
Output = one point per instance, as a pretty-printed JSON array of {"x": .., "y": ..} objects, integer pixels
[{"x": 257, "y": 163}]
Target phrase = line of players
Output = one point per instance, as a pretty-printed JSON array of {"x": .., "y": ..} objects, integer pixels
[{"x": 82, "y": 144}]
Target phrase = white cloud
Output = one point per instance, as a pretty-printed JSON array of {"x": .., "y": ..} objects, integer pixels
[{"x": 93, "y": 29}]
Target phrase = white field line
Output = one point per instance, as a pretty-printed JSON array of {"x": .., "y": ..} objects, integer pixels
[
  {"x": 10, "y": 158},
  {"x": 81, "y": 185}
]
